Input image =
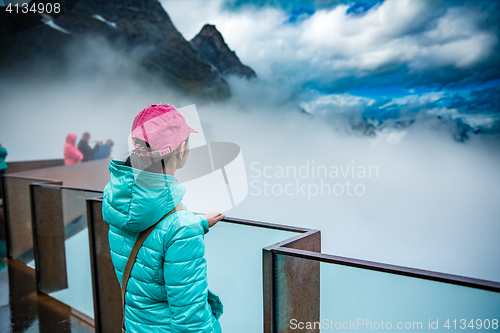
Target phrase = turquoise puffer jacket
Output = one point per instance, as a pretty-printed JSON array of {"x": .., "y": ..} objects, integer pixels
[
  {"x": 3, "y": 155},
  {"x": 167, "y": 290}
]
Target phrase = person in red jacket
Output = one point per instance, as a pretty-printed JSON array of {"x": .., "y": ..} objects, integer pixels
[{"x": 71, "y": 154}]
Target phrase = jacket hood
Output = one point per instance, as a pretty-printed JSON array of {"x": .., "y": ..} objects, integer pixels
[
  {"x": 71, "y": 139},
  {"x": 134, "y": 200}
]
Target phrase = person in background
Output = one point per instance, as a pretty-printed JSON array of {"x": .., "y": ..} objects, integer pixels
[
  {"x": 83, "y": 146},
  {"x": 71, "y": 154},
  {"x": 3, "y": 166},
  {"x": 104, "y": 150}
]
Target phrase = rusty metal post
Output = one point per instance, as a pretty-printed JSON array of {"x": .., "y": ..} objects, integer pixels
[
  {"x": 106, "y": 288},
  {"x": 48, "y": 238}
]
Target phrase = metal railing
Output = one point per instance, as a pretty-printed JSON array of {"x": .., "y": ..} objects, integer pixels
[
  {"x": 107, "y": 298},
  {"x": 295, "y": 274}
]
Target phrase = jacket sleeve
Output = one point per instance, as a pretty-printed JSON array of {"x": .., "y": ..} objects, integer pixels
[
  {"x": 3, "y": 152},
  {"x": 186, "y": 283},
  {"x": 203, "y": 221},
  {"x": 74, "y": 153},
  {"x": 201, "y": 218}
]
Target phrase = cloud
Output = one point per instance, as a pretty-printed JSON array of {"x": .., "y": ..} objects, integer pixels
[
  {"x": 417, "y": 99},
  {"x": 383, "y": 60},
  {"x": 330, "y": 57},
  {"x": 406, "y": 36},
  {"x": 339, "y": 103}
]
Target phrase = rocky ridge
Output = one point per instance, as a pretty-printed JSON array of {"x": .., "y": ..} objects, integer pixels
[
  {"x": 141, "y": 29},
  {"x": 211, "y": 46}
]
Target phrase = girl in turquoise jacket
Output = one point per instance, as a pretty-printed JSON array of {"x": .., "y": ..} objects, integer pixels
[{"x": 167, "y": 290}]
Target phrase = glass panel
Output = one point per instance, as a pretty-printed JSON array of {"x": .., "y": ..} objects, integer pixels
[
  {"x": 234, "y": 261},
  {"x": 78, "y": 295},
  {"x": 365, "y": 300},
  {"x": 353, "y": 293},
  {"x": 17, "y": 204}
]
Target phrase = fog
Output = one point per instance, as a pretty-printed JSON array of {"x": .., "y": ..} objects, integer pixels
[{"x": 433, "y": 203}]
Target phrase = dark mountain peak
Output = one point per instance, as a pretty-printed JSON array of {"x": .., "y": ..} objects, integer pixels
[
  {"x": 210, "y": 30},
  {"x": 211, "y": 46},
  {"x": 139, "y": 29}
]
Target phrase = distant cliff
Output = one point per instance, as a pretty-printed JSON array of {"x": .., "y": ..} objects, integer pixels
[
  {"x": 140, "y": 28},
  {"x": 211, "y": 46}
]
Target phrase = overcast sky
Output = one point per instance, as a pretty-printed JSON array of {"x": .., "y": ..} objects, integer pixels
[{"x": 384, "y": 59}]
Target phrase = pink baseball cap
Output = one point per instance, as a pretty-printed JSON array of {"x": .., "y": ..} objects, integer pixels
[{"x": 163, "y": 127}]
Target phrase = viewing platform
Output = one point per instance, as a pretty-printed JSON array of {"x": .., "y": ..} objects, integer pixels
[{"x": 58, "y": 275}]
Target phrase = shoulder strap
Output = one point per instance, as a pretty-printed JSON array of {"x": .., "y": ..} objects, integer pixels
[{"x": 131, "y": 259}]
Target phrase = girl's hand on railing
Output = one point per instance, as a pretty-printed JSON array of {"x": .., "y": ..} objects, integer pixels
[{"x": 213, "y": 218}]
